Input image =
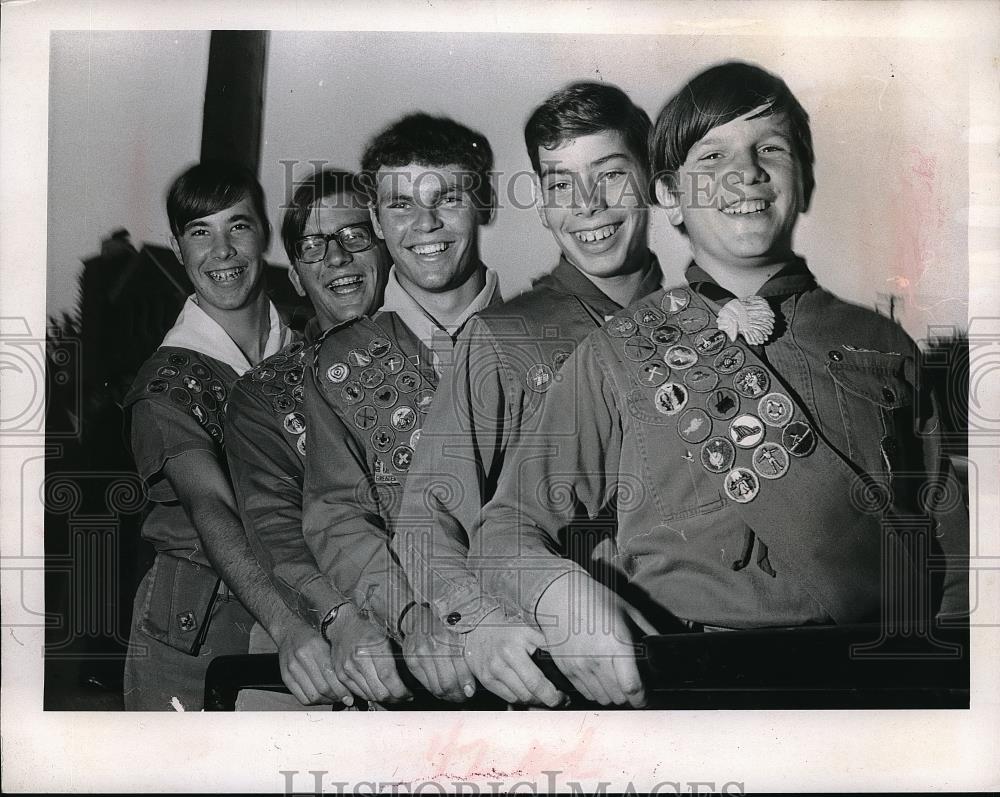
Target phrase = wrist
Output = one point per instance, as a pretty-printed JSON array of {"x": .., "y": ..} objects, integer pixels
[{"x": 329, "y": 619}]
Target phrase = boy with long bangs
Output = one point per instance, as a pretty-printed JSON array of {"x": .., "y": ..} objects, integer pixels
[{"x": 758, "y": 411}]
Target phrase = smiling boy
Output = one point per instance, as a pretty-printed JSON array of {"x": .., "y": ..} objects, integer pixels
[
  {"x": 586, "y": 143},
  {"x": 759, "y": 416},
  {"x": 184, "y": 614},
  {"x": 372, "y": 382}
]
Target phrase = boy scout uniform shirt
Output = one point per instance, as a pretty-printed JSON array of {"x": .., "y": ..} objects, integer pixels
[
  {"x": 177, "y": 405},
  {"x": 505, "y": 362},
  {"x": 371, "y": 385},
  {"x": 266, "y": 436},
  {"x": 750, "y": 482}
]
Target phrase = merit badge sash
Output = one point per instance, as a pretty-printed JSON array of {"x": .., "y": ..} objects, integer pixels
[
  {"x": 278, "y": 380},
  {"x": 378, "y": 393},
  {"x": 188, "y": 381},
  {"x": 756, "y": 444}
]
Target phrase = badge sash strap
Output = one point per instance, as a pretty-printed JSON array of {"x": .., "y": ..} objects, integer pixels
[
  {"x": 757, "y": 445},
  {"x": 279, "y": 381},
  {"x": 379, "y": 394}
]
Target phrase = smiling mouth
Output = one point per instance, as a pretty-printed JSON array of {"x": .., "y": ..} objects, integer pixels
[
  {"x": 747, "y": 207},
  {"x": 428, "y": 250},
  {"x": 343, "y": 286},
  {"x": 227, "y": 274},
  {"x": 598, "y": 235}
]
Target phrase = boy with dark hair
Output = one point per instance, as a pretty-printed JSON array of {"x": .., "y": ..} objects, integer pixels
[
  {"x": 184, "y": 613},
  {"x": 373, "y": 380},
  {"x": 759, "y": 414},
  {"x": 339, "y": 263},
  {"x": 587, "y": 143}
]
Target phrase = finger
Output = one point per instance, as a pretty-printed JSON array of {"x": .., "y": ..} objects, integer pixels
[
  {"x": 540, "y": 687},
  {"x": 337, "y": 689},
  {"x": 426, "y": 675},
  {"x": 313, "y": 671},
  {"x": 389, "y": 677},
  {"x": 297, "y": 693},
  {"x": 508, "y": 675},
  {"x": 352, "y": 675},
  {"x": 305, "y": 683},
  {"x": 627, "y": 674},
  {"x": 466, "y": 680},
  {"x": 451, "y": 686},
  {"x": 374, "y": 688},
  {"x": 500, "y": 690}
]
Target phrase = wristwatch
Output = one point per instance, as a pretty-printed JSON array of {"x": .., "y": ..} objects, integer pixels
[{"x": 327, "y": 621}]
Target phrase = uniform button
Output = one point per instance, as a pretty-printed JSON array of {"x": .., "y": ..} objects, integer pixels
[
  {"x": 453, "y": 618},
  {"x": 836, "y": 356},
  {"x": 888, "y": 394}
]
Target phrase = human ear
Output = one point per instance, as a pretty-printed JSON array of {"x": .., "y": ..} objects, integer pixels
[
  {"x": 373, "y": 215},
  {"x": 176, "y": 248},
  {"x": 670, "y": 202}
]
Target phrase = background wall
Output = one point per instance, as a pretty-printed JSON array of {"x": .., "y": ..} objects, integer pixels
[{"x": 889, "y": 122}]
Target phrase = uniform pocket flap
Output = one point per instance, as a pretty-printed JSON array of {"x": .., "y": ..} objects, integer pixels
[
  {"x": 880, "y": 380},
  {"x": 179, "y": 602}
]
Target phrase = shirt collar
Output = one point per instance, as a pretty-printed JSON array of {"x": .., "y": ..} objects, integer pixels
[
  {"x": 198, "y": 331},
  {"x": 420, "y": 322},
  {"x": 567, "y": 278},
  {"x": 793, "y": 278}
]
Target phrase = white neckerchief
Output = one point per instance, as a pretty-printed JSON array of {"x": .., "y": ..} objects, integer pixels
[
  {"x": 420, "y": 322},
  {"x": 197, "y": 330}
]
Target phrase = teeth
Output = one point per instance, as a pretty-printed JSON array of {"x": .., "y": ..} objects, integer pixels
[
  {"x": 747, "y": 206},
  {"x": 342, "y": 281},
  {"x": 429, "y": 249},
  {"x": 592, "y": 236},
  {"x": 227, "y": 275}
]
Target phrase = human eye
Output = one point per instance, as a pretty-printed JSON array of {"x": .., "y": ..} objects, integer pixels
[
  {"x": 399, "y": 204},
  {"x": 558, "y": 185},
  {"x": 711, "y": 155}
]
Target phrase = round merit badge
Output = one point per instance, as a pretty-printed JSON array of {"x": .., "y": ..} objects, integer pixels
[
  {"x": 718, "y": 455},
  {"x": 730, "y": 360},
  {"x": 775, "y": 409},
  {"x": 694, "y": 425},
  {"x": 297, "y": 392},
  {"x": 741, "y": 485},
  {"x": 179, "y": 360},
  {"x": 264, "y": 374},
  {"x": 382, "y": 439},
  {"x": 385, "y": 396},
  {"x": 191, "y": 384},
  {"x": 300, "y": 444},
  {"x": 638, "y": 349},
  {"x": 292, "y": 377},
  {"x": 653, "y": 374},
  {"x": 666, "y": 336},
  {"x": 798, "y": 438},
  {"x": 167, "y": 371},
  {"x": 649, "y": 317},
  {"x": 199, "y": 412},
  {"x": 752, "y": 381},
  {"x": 710, "y": 341},
  {"x": 622, "y": 327},
  {"x": 180, "y": 396},
  {"x": 338, "y": 372},
  {"x": 746, "y": 431},
  {"x": 403, "y": 418},
  {"x": 379, "y": 347},
  {"x": 372, "y": 377},
  {"x": 394, "y": 363},
  {"x": 402, "y": 458},
  {"x": 770, "y": 460},
  {"x": 282, "y": 403},
  {"x": 538, "y": 377},
  {"x": 414, "y": 438},
  {"x": 670, "y": 398},
  {"x": 352, "y": 393},
  {"x": 215, "y": 431},
  {"x": 407, "y": 381},
  {"x": 200, "y": 371},
  {"x": 701, "y": 379},
  {"x": 217, "y": 389},
  {"x": 366, "y": 417},
  {"x": 723, "y": 403},
  {"x": 359, "y": 358},
  {"x": 423, "y": 400},
  {"x": 692, "y": 320},
  {"x": 294, "y": 423},
  {"x": 675, "y": 300},
  {"x": 680, "y": 357},
  {"x": 157, "y": 386}
]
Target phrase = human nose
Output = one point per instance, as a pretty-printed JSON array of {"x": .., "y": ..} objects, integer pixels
[
  {"x": 336, "y": 255},
  {"x": 427, "y": 219},
  {"x": 748, "y": 168},
  {"x": 222, "y": 246},
  {"x": 590, "y": 198}
]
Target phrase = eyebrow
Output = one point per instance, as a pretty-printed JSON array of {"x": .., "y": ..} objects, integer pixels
[
  {"x": 202, "y": 223},
  {"x": 546, "y": 170},
  {"x": 714, "y": 141}
]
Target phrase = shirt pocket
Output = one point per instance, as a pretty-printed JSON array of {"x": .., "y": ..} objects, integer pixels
[
  {"x": 671, "y": 468},
  {"x": 876, "y": 402}
]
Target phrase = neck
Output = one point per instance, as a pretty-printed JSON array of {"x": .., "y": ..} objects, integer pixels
[
  {"x": 621, "y": 288},
  {"x": 248, "y": 326},
  {"x": 447, "y": 306},
  {"x": 740, "y": 280}
]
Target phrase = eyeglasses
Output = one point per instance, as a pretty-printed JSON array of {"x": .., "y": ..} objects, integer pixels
[{"x": 352, "y": 238}]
